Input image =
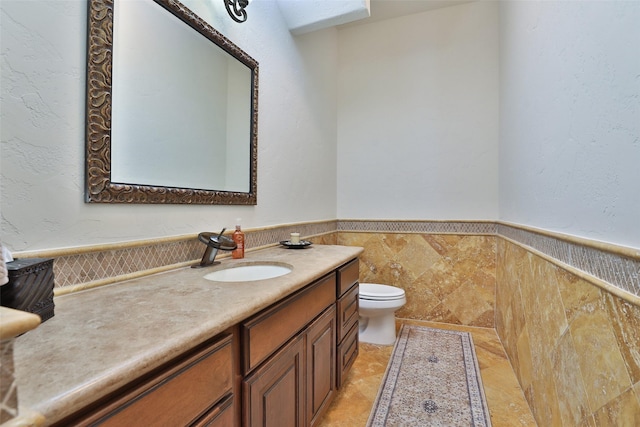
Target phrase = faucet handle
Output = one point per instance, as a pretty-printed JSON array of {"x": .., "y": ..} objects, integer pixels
[
  {"x": 214, "y": 242},
  {"x": 217, "y": 241},
  {"x": 225, "y": 243}
]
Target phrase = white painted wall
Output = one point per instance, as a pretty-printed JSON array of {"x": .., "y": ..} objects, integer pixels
[
  {"x": 416, "y": 122},
  {"x": 42, "y": 92},
  {"x": 570, "y": 117},
  {"x": 418, "y": 116}
]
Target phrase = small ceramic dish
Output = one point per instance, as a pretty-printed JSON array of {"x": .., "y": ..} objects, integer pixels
[{"x": 290, "y": 245}]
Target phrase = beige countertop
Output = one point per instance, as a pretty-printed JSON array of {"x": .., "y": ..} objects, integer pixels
[
  {"x": 101, "y": 339},
  {"x": 16, "y": 322}
]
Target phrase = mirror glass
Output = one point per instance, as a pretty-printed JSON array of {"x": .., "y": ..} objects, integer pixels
[{"x": 172, "y": 108}]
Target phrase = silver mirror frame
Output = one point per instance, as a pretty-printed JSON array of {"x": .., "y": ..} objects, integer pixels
[{"x": 99, "y": 188}]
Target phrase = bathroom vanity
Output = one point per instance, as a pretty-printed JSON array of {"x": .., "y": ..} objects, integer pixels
[{"x": 177, "y": 349}]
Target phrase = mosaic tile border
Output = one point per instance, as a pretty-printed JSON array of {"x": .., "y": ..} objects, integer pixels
[
  {"x": 92, "y": 266},
  {"x": 414, "y": 226},
  {"x": 612, "y": 267},
  {"x": 109, "y": 263},
  {"x": 269, "y": 236},
  {"x": 617, "y": 269},
  {"x": 81, "y": 268}
]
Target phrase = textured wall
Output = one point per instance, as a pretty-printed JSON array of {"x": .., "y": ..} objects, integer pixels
[
  {"x": 575, "y": 348},
  {"x": 418, "y": 116},
  {"x": 42, "y": 151},
  {"x": 570, "y": 117},
  {"x": 447, "y": 278}
]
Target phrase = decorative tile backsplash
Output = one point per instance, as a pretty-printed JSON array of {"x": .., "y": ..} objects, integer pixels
[
  {"x": 431, "y": 227},
  {"x": 91, "y": 266},
  {"x": 121, "y": 260},
  {"x": 619, "y": 269}
]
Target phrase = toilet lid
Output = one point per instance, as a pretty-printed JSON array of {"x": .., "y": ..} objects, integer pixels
[{"x": 372, "y": 291}]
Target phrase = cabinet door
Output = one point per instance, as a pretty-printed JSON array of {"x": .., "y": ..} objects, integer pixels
[
  {"x": 321, "y": 364},
  {"x": 274, "y": 394}
]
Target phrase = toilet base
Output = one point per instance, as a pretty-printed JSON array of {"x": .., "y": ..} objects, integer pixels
[{"x": 378, "y": 329}]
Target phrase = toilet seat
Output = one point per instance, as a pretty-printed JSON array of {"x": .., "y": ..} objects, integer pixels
[{"x": 376, "y": 292}]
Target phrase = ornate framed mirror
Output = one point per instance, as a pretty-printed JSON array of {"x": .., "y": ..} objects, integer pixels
[{"x": 172, "y": 108}]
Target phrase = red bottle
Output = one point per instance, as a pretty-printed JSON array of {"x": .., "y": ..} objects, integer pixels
[{"x": 238, "y": 237}]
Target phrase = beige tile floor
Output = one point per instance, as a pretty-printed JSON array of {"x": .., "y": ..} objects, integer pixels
[{"x": 507, "y": 405}]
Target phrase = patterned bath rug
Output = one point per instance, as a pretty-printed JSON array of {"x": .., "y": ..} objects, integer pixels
[{"x": 432, "y": 379}]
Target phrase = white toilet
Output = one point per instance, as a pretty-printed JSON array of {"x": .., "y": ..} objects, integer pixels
[{"x": 378, "y": 304}]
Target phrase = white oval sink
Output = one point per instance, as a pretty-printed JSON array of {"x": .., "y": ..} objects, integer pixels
[{"x": 248, "y": 273}]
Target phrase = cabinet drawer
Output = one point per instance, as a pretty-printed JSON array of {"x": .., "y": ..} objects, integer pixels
[
  {"x": 347, "y": 276},
  {"x": 220, "y": 415},
  {"x": 176, "y": 397},
  {"x": 347, "y": 312},
  {"x": 347, "y": 353},
  {"x": 269, "y": 330}
]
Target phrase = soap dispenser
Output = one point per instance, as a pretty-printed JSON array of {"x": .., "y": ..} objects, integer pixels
[{"x": 238, "y": 238}]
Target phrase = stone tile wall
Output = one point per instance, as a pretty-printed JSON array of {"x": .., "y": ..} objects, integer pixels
[
  {"x": 449, "y": 278},
  {"x": 574, "y": 346}
]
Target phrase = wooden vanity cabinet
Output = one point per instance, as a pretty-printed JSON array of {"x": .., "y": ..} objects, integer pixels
[
  {"x": 198, "y": 389},
  {"x": 347, "y": 315},
  {"x": 279, "y": 368},
  {"x": 294, "y": 344}
]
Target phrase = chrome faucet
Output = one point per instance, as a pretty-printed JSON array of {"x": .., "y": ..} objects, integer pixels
[{"x": 214, "y": 243}]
